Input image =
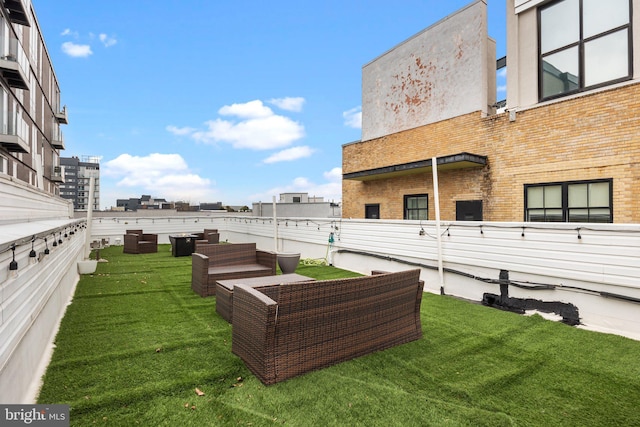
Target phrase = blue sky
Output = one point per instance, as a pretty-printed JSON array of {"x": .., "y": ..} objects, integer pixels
[{"x": 207, "y": 101}]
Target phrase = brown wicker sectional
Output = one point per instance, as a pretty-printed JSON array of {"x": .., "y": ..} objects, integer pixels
[
  {"x": 284, "y": 331},
  {"x": 213, "y": 262}
]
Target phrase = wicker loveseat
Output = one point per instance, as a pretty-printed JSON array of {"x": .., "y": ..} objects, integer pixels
[
  {"x": 137, "y": 242},
  {"x": 213, "y": 262},
  {"x": 284, "y": 331}
]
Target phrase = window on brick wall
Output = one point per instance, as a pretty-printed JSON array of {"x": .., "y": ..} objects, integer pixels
[
  {"x": 583, "y": 44},
  {"x": 575, "y": 201},
  {"x": 416, "y": 206}
]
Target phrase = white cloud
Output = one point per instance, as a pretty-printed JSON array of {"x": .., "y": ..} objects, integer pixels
[
  {"x": 290, "y": 154},
  {"x": 161, "y": 175},
  {"x": 76, "y": 50},
  {"x": 249, "y": 110},
  {"x": 69, "y": 32},
  {"x": 330, "y": 190},
  {"x": 288, "y": 103},
  {"x": 259, "y": 128},
  {"x": 107, "y": 41},
  {"x": 180, "y": 131},
  {"x": 353, "y": 118},
  {"x": 334, "y": 175}
]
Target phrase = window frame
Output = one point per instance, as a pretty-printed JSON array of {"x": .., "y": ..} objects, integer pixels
[
  {"x": 405, "y": 209},
  {"x": 580, "y": 43},
  {"x": 369, "y": 206},
  {"x": 565, "y": 198}
]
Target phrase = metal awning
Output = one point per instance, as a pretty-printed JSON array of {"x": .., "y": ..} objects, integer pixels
[{"x": 455, "y": 161}]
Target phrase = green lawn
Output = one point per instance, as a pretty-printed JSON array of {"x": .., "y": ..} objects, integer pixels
[{"x": 136, "y": 344}]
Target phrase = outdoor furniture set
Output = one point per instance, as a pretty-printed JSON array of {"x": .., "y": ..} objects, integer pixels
[
  {"x": 286, "y": 325},
  {"x": 137, "y": 242}
]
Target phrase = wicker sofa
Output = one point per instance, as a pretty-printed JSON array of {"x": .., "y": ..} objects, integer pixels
[
  {"x": 284, "y": 331},
  {"x": 137, "y": 242},
  {"x": 213, "y": 262}
]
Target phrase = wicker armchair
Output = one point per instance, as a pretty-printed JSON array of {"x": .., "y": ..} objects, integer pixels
[
  {"x": 284, "y": 331},
  {"x": 137, "y": 242},
  {"x": 210, "y": 235}
]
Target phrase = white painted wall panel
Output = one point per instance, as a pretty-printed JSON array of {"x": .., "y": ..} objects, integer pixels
[{"x": 435, "y": 75}]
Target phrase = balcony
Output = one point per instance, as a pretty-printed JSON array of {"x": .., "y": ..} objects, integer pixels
[
  {"x": 17, "y": 12},
  {"x": 13, "y": 134},
  {"x": 56, "y": 174},
  {"x": 57, "y": 139},
  {"x": 13, "y": 66},
  {"x": 61, "y": 116}
]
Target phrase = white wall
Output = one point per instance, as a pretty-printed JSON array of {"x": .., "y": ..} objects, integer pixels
[
  {"x": 33, "y": 302},
  {"x": 437, "y": 74}
]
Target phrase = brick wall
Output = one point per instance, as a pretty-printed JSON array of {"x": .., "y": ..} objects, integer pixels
[{"x": 588, "y": 137}]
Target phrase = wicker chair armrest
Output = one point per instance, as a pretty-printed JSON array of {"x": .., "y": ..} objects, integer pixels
[
  {"x": 254, "y": 331},
  {"x": 268, "y": 259},
  {"x": 131, "y": 239},
  {"x": 199, "y": 261}
]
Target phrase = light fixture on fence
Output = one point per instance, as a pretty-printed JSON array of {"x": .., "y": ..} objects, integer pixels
[
  {"x": 46, "y": 247},
  {"x": 13, "y": 265},
  {"x": 579, "y": 235},
  {"x": 32, "y": 254},
  {"x": 60, "y": 238},
  {"x": 65, "y": 233}
]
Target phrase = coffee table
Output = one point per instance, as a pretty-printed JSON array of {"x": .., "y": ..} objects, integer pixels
[{"x": 224, "y": 289}]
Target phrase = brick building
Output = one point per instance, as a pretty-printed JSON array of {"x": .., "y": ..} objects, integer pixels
[{"x": 565, "y": 148}]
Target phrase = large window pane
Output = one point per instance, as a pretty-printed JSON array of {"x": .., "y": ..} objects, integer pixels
[
  {"x": 600, "y": 16},
  {"x": 606, "y": 58},
  {"x": 559, "y": 25},
  {"x": 554, "y": 215},
  {"x": 579, "y": 215},
  {"x": 600, "y": 215},
  {"x": 599, "y": 194},
  {"x": 560, "y": 72},
  {"x": 535, "y": 215},
  {"x": 535, "y": 197},
  {"x": 553, "y": 196},
  {"x": 579, "y": 195}
]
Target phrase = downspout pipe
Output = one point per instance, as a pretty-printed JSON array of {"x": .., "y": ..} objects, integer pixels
[{"x": 436, "y": 195}]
